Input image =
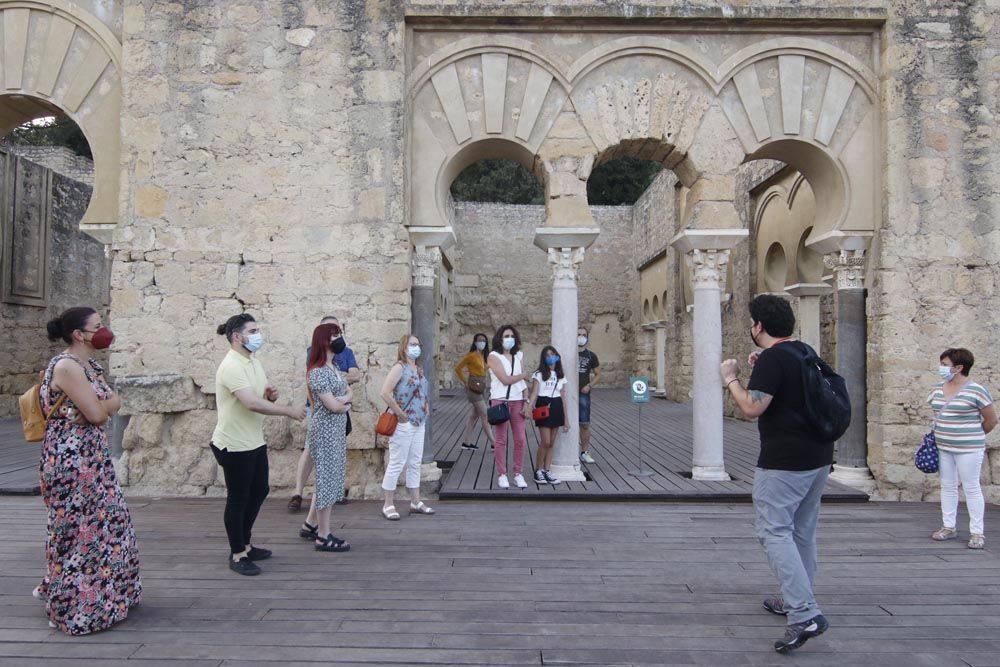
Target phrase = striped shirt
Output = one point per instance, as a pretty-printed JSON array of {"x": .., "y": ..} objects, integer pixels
[{"x": 960, "y": 428}]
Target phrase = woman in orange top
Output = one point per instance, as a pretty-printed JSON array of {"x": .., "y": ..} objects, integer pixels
[{"x": 476, "y": 385}]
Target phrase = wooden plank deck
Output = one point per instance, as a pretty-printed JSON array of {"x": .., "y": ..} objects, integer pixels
[
  {"x": 518, "y": 583},
  {"x": 18, "y": 460},
  {"x": 667, "y": 438}
]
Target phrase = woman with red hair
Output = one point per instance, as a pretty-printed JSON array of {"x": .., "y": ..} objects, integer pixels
[{"x": 330, "y": 397}]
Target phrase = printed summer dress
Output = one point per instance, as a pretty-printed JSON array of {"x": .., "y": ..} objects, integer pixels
[
  {"x": 327, "y": 437},
  {"x": 91, "y": 552}
]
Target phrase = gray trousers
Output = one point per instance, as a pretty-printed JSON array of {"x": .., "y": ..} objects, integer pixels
[{"x": 786, "y": 505}]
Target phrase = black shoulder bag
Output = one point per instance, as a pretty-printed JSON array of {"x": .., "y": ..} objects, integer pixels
[{"x": 500, "y": 414}]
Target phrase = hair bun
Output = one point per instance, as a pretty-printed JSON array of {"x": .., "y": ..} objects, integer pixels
[
  {"x": 221, "y": 329},
  {"x": 54, "y": 329}
]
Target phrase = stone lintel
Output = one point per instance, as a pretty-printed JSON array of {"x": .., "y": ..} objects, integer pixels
[
  {"x": 837, "y": 240},
  {"x": 428, "y": 237},
  {"x": 809, "y": 289},
  {"x": 708, "y": 239},
  {"x": 565, "y": 237},
  {"x": 103, "y": 233}
]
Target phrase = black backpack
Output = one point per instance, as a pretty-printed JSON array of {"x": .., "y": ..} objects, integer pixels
[{"x": 826, "y": 406}]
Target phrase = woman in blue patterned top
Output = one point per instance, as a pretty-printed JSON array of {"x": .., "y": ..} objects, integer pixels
[
  {"x": 407, "y": 393},
  {"x": 963, "y": 415}
]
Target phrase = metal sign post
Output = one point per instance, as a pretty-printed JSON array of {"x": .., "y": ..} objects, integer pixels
[{"x": 639, "y": 388}]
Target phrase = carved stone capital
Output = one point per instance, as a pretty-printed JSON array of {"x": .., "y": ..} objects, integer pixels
[
  {"x": 708, "y": 268},
  {"x": 424, "y": 263},
  {"x": 848, "y": 268},
  {"x": 565, "y": 263}
]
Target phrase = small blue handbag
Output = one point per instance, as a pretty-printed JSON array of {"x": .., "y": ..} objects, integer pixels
[{"x": 926, "y": 458}]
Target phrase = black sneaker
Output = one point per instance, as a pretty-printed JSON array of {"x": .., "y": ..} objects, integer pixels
[
  {"x": 469, "y": 445},
  {"x": 776, "y": 605},
  {"x": 243, "y": 566},
  {"x": 540, "y": 477},
  {"x": 550, "y": 478},
  {"x": 258, "y": 554},
  {"x": 797, "y": 634}
]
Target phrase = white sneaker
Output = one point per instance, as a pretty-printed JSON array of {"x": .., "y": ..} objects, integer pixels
[
  {"x": 502, "y": 482},
  {"x": 519, "y": 481},
  {"x": 587, "y": 458}
]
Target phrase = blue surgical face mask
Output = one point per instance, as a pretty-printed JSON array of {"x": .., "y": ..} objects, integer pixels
[
  {"x": 552, "y": 359},
  {"x": 253, "y": 342},
  {"x": 413, "y": 351},
  {"x": 508, "y": 343},
  {"x": 480, "y": 345},
  {"x": 947, "y": 372}
]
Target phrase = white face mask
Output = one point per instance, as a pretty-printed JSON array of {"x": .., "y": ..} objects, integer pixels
[
  {"x": 508, "y": 343},
  {"x": 480, "y": 345},
  {"x": 947, "y": 372},
  {"x": 253, "y": 342},
  {"x": 581, "y": 340},
  {"x": 413, "y": 351}
]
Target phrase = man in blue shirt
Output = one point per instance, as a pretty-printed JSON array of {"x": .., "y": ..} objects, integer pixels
[{"x": 347, "y": 364}]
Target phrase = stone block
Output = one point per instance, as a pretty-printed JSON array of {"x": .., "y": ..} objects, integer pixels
[{"x": 159, "y": 394}]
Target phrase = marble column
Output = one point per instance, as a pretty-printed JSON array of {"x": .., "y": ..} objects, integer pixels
[
  {"x": 424, "y": 263},
  {"x": 708, "y": 253},
  {"x": 565, "y": 321},
  {"x": 852, "y": 344},
  {"x": 808, "y": 317},
  {"x": 566, "y": 249},
  {"x": 660, "y": 329},
  {"x": 423, "y": 309}
]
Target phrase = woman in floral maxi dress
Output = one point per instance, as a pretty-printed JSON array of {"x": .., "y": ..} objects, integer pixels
[{"x": 93, "y": 560}]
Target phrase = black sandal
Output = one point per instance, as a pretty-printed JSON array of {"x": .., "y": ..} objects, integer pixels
[
  {"x": 332, "y": 543},
  {"x": 308, "y": 532}
]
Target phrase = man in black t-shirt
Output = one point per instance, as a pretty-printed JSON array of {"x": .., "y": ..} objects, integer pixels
[
  {"x": 792, "y": 468},
  {"x": 587, "y": 363}
]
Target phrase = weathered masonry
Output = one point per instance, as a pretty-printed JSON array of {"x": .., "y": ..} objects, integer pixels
[{"x": 294, "y": 158}]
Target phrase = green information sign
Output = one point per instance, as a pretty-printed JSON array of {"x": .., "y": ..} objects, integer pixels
[{"x": 639, "y": 388}]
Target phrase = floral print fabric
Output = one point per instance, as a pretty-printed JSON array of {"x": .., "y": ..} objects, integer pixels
[{"x": 93, "y": 560}]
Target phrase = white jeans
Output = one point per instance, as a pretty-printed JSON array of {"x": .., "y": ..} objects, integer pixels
[
  {"x": 964, "y": 468},
  {"x": 406, "y": 450}
]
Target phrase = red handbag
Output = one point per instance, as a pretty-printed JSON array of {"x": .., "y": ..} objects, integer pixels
[{"x": 540, "y": 413}]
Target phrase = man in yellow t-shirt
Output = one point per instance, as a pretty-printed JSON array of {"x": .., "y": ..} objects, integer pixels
[{"x": 243, "y": 398}]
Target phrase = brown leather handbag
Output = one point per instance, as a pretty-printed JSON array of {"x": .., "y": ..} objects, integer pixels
[
  {"x": 477, "y": 384},
  {"x": 387, "y": 423}
]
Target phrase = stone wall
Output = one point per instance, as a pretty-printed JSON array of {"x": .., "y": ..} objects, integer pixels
[
  {"x": 59, "y": 159},
  {"x": 262, "y": 172},
  {"x": 78, "y": 273},
  {"x": 502, "y": 278}
]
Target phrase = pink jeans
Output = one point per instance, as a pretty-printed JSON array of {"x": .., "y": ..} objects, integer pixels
[{"x": 520, "y": 438}]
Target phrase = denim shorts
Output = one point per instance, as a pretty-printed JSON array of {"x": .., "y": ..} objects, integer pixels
[{"x": 584, "y": 408}]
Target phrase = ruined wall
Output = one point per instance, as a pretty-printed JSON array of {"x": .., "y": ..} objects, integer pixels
[
  {"x": 262, "y": 161},
  {"x": 78, "y": 272},
  {"x": 935, "y": 265},
  {"x": 502, "y": 278}
]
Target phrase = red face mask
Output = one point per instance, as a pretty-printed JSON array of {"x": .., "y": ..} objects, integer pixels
[{"x": 102, "y": 339}]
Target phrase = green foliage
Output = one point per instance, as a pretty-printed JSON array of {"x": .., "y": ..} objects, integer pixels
[
  {"x": 61, "y": 131},
  {"x": 620, "y": 181},
  {"x": 614, "y": 183},
  {"x": 499, "y": 181}
]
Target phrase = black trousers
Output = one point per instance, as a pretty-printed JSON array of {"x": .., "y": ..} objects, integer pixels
[{"x": 246, "y": 488}]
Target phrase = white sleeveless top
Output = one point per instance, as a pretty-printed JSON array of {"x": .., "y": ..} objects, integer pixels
[{"x": 498, "y": 390}]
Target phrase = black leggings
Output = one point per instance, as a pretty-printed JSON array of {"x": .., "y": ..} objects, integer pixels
[{"x": 246, "y": 488}]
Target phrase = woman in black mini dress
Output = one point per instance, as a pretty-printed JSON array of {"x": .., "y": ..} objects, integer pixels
[{"x": 548, "y": 390}]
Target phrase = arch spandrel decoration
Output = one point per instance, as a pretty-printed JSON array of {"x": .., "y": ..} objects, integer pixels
[
  {"x": 799, "y": 100},
  {"x": 58, "y": 58}
]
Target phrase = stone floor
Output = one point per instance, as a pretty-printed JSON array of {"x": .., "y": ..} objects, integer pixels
[{"x": 518, "y": 583}]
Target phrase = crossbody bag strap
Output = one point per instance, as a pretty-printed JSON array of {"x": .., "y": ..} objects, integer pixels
[{"x": 944, "y": 407}]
